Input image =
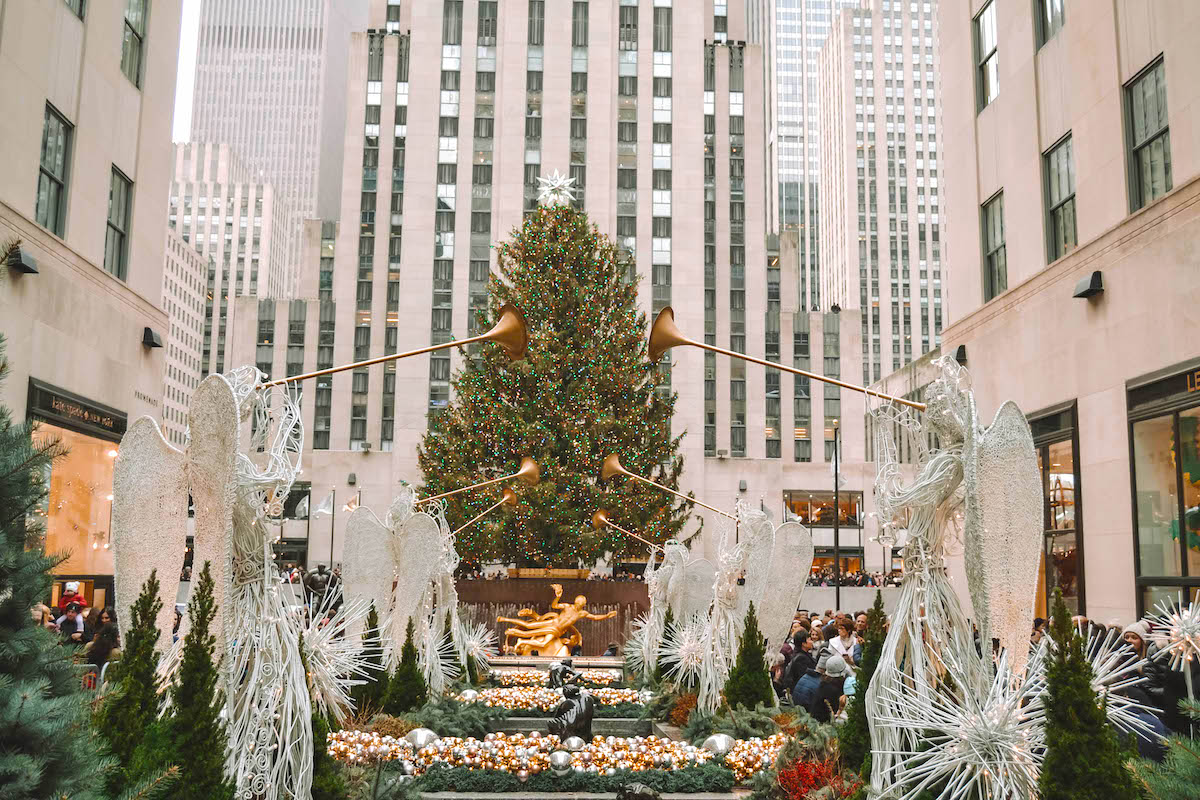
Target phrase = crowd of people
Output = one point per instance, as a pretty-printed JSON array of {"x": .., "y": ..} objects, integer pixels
[
  {"x": 91, "y": 632},
  {"x": 472, "y": 573},
  {"x": 825, "y": 577},
  {"x": 816, "y": 669}
]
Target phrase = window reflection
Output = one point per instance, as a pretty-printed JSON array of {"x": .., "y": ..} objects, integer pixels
[
  {"x": 1156, "y": 498},
  {"x": 816, "y": 509},
  {"x": 78, "y": 510},
  {"x": 1189, "y": 466}
]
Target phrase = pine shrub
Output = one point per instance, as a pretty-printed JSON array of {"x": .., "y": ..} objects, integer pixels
[
  {"x": 406, "y": 690},
  {"x": 749, "y": 683},
  {"x": 1084, "y": 760},
  {"x": 855, "y": 735},
  {"x": 1177, "y": 776},
  {"x": 368, "y": 695},
  {"x": 329, "y": 782}
]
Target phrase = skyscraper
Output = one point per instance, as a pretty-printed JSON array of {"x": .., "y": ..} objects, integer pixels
[
  {"x": 801, "y": 27},
  {"x": 658, "y": 114},
  {"x": 880, "y": 224}
]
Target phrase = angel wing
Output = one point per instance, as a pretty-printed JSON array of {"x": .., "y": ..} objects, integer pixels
[
  {"x": 151, "y": 481},
  {"x": 791, "y": 562},
  {"x": 416, "y": 552},
  {"x": 149, "y": 519},
  {"x": 691, "y": 590},
  {"x": 1003, "y": 529},
  {"x": 759, "y": 541},
  {"x": 367, "y": 566}
]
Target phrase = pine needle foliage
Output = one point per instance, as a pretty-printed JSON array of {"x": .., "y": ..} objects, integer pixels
[
  {"x": 132, "y": 705},
  {"x": 368, "y": 695},
  {"x": 1177, "y": 776},
  {"x": 1084, "y": 760},
  {"x": 584, "y": 390},
  {"x": 194, "y": 729},
  {"x": 406, "y": 690},
  {"x": 855, "y": 734},
  {"x": 668, "y": 626},
  {"x": 749, "y": 684},
  {"x": 329, "y": 780},
  {"x": 47, "y": 746}
]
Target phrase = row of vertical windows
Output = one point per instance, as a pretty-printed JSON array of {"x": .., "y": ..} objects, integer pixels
[{"x": 710, "y": 252}]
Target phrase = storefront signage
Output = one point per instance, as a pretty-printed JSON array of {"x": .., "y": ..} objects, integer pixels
[
  {"x": 71, "y": 411},
  {"x": 1193, "y": 381},
  {"x": 1166, "y": 389}
]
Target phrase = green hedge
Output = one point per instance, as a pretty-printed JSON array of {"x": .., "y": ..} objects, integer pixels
[{"x": 705, "y": 778}]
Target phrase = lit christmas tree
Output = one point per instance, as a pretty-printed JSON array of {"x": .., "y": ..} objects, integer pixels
[{"x": 586, "y": 389}]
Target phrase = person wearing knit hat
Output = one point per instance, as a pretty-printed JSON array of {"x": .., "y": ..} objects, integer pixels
[
  {"x": 1152, "y": 691},
  {"x": 830, "y": 694},
  {"x": 1137, "y": 634}
]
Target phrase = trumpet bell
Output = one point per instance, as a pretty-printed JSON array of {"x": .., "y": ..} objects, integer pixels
[
  {"x": 599, "y": 519},
  {"x": 665, "y": 334},
  {"x": 529, "y": 473},
  {"x": 510, "y": 332},
  {"x": 612, "y": 467},
  {"x": 509, "y": 498}
]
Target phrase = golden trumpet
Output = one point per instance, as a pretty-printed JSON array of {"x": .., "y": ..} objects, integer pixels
[
  {"x": 528, "y": 474},
  {"x": 612, "y": 467},
  {"x": 508, "y": 498},
  {"x": 665, "y": 334},
  {"x": 509, "y": 332},
  {"x": 600, "y": 520}
]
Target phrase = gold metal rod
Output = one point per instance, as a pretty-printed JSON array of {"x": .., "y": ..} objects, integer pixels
[
  {"x": 612, "y": 524},
  {"x": 805, "y": 373},
  {"x": 465, "y": 489},
  {"x": 682, "y": 496},
  {"x": 475, "y": 519},
  {"x": 377, "y": 360}
]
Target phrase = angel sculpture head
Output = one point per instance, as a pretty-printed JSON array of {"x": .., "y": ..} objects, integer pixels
[{"x": 948, "y": 404}]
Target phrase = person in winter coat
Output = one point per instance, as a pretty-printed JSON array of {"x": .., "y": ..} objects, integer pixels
[
  {"x": 1152, "y": 691},
  {"x": 71, "y": 595},
  {"x": 830, "y": 694},
  {"x": 802, "y": 661}
]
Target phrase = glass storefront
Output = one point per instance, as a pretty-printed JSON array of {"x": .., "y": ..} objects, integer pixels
[
  {"x": 1164, "y": 435},
  {"x": 78, "y": 510},
  {"x": 1054, "y": 435},
  {"x": 815, "y": 509}
]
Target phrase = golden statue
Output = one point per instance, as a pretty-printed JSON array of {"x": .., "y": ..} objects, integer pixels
[{"x": 552, "y": 634}]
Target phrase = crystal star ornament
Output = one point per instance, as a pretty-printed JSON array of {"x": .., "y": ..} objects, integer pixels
[{"x": 556, "y": 189}]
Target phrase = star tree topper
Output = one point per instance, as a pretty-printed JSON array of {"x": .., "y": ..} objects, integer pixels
[{"x": 556, "y": 189}]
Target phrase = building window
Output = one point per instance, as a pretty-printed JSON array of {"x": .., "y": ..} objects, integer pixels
[
  {"x": 135, "y": 34},
  {"x": 995, "y": 268},
  {"x": 1054, "y": 440},
  {"x": 987, "y": 60},
  {"x": 537, "y": 22},
  {"x": 579, "y": 24},
  {"x": 662, "y": 30},
  {"x": 1149, "y": 135},
  {"x": 116, "y": 247},
  {"x": 816, "y": 509},
  {"x": 1164, "y": 432},
  {"x": 1050, "y": 19},
  {"x": 486, "y": 36},
  {"x": 51, "y": 212},
  {"x": 627, "y": 31},
  {"x": 452, "y": 22},
  {"x": 1060, "y": 192}
]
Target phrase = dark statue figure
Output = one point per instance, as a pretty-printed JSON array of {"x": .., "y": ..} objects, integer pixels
[
  {"x": 562, "y": 673},
  {"x": 318, "y": 582},
  {"x": 573, "y": 717},
  {"x": 637, "y": 791}
]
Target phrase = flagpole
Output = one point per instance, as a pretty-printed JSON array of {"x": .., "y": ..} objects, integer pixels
[{"x": 332, "y": 525}]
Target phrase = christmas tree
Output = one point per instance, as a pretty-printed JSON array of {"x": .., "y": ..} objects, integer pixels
[
  {"x": 47, "y": 747},
  {"x": 1083, "y": 760},
  {"x": 854, "y": 738},
  {"x": 368, "y": 695},
  {"x": 132, "y": 704},
  {"x": 194, "y": 729},
  {"x": 748, "y": 684},
  {"x": 584, "y": 390},
  {"x": 406, "y": 690}
]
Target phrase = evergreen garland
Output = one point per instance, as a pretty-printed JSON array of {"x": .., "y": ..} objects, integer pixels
[
  {"x": 368, "y": 695},
  {"x": 406, "y": 690},
  {"x": 855, "y": 735},
  {"x": 585, "y": 390},
  {"x": 1084, "y": 760},
  {"x": 749, "y": 684},
  {"x": 47, "y": 747},
  {"x": 194, "y": 728},
  {"x": 1177, "y": 776}
]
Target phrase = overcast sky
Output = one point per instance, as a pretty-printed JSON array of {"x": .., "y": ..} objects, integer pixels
[{"x": 187, "y": 70}]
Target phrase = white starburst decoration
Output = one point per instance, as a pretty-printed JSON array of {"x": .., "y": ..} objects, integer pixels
[
  {"x": 685, "y": 650},
  {"x": 987, "y": 745},
  {"x": 336, "y": 662},
  {"x": 1180, "y": 640},
  {"x": 640, "y": 653},
  {"x": 556, "y": 189},
  {"x": 479, "y": 644}
]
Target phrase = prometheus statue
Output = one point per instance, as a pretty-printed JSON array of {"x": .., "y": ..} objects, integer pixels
[{"x": 551, "y": 634}]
